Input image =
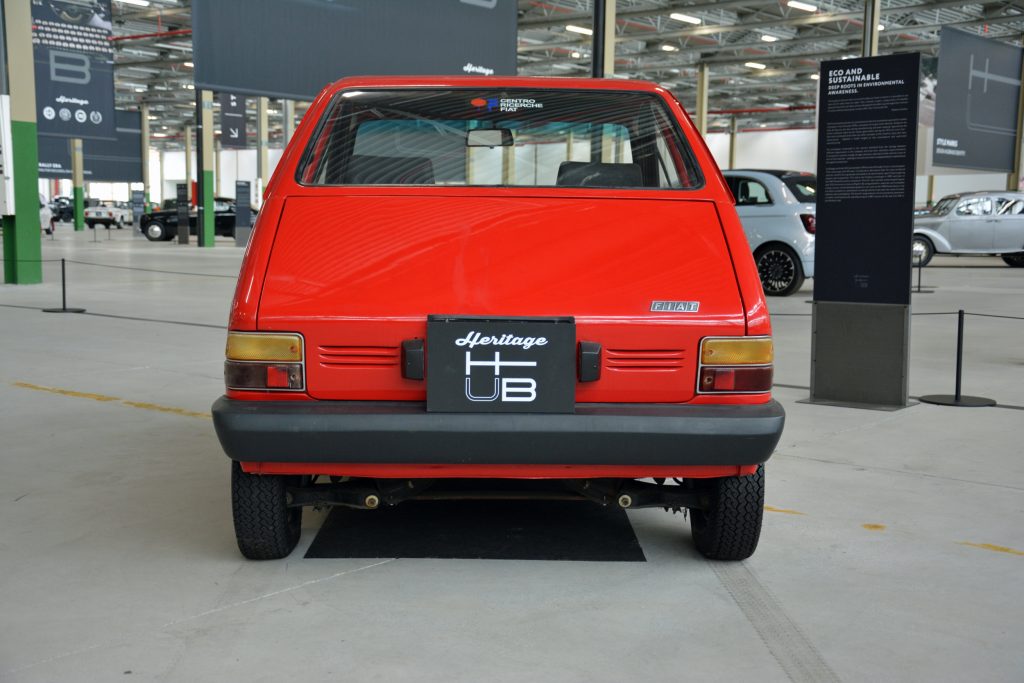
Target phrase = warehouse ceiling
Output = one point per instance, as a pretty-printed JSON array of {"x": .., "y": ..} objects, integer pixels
[{"x": 762, "y": 55}]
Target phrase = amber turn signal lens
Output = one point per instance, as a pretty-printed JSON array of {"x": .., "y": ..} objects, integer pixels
[
  {"x": 252, "y": 346},
  {"x": 736, "y": 351}
]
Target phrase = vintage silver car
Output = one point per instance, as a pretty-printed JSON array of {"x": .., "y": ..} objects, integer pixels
[
  {"x": 777, "y": 209},
  {"x": 972, "y": 223}
]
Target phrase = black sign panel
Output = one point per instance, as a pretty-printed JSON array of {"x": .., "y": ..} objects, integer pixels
[
  {"x": 113, "y": 161},
  {"x": 243, "y": 204},
  {"x": 232, "y": 121},
  {"x": 74, "y": 62},
  {"x": 183, "y": 207},
  {"x": 138, "y": 205},
  {"x": 319, "y": 41},
  {"x": 867, "y": 146},
  {"x": 976, "y": 107},
  {"x": 492, "y": 365}
]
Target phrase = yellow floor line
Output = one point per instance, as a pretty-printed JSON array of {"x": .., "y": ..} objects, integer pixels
[
  {"x": 107, "y": 399},
  {"x": 66, "y": 392},
  {"x": 874, "y": 527},
  {"x": 993, "y": 548},
  {"x": 784, "y": 511}
]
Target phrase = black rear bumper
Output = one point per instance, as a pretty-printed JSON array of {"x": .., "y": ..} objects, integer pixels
[{"x": 394, "y": 432}]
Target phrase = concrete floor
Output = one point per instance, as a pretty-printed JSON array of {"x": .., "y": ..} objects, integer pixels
[{"x": 893, "y": 546}]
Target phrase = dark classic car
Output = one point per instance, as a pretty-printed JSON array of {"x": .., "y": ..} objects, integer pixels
[{"x": 162, "y": 225}]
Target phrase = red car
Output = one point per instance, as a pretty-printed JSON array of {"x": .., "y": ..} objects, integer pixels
[{"x": 498, "y": 278}]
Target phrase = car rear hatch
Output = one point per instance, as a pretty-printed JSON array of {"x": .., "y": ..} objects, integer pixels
[{"x": 356, "y": 275}]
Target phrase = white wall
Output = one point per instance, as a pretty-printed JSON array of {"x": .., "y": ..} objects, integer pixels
[
  {"x": 793, "y": 150},
  {"x": 797, "y": 150}
]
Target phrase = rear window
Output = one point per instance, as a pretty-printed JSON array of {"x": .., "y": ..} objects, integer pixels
[
  {"x": 554, "y": 138},
  {"x": 803, "y": 187}
]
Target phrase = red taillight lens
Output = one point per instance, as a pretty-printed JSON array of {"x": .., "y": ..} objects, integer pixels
[
  {"x": 743, "y": 379},
  {"x": 810, "y": 224}
]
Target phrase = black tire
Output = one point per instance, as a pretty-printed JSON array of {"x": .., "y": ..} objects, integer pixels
[
  {"x": 265, "y": 528},
  {"x": 780, "y": 270},
  {"x": 155, "y": 231},
  {"x": 119, "y": 224},
  {"x": 1014, "y": 260},
  {"x": 922, "y": 251},
  {"x": 731, "y": 527}
]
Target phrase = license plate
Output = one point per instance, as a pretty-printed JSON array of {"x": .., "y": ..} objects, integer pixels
[{"x": 497, "y": 365}]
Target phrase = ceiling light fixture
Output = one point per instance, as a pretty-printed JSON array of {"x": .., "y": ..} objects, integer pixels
[
  {"x": 805, "y": 6},
  {"x": 137, "y": 3},
  {"x": 575, "y": 55},
  {"x": 684, "y": 17},
  {"x": 583, "y": 30},
  {"x": 881, "y": 27},
  {"x": 189, "y": 64},
  {"x": 670, "y": 48},
  {"x": 815, "y": 77},
  {"x": 768, "y": 39},
  {"x": 755, "y": 65}
]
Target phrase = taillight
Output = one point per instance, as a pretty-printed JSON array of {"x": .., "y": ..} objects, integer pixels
[
  {"x": 810, "y": 224},
  {"x": 261, "y": 360},
  {"x": 735, "y": 365}
]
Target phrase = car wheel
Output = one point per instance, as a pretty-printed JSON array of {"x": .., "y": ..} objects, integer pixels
[
  {"x": 265, "y": 527},
  {"x": 922, "y": 251},
  {"x": 729, "y": 528},
  {"x": 780, "y": 270},
  {"x": 156, "y": 231},
  {"x": 119, "y": 224},
  {"x": 1014, "y": 260}
]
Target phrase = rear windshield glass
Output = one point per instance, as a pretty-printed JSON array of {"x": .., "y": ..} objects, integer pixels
[
  {"x": 803, "y": 187},
  {"x": 510, "y": 138}
]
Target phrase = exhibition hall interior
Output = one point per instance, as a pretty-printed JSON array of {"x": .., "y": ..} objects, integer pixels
[{"x": 504, "y": 340}]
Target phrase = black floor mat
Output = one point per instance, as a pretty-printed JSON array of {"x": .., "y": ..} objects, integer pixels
[{"x": 481, "y": 529}]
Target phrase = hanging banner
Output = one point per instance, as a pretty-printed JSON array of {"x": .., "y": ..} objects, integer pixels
[
  {"x": 232, "y": 121},
  {"x": 74, "y": 63},
  {"x": 114, "y": 161},
  {"x": 976, "y": 107},
  {"x": 867, "y": 145},
  {"x": 325, "y": 40}
]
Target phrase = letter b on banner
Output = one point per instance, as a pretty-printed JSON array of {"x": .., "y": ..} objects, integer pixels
[{"x": 69, "y": 67}]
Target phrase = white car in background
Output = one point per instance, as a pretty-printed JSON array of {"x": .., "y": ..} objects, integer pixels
[
  {"x": 777, "y": 209},
  {"x": 972, "y": 223},
  {"x": 45, "y": 215},
  {"x": 109, "y": 214}
]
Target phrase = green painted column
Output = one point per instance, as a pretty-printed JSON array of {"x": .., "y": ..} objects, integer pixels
[
  {"x": 204, "y": 162},
  {"x": 22, "y": 231},
  {"x": 78, "y": 181}
]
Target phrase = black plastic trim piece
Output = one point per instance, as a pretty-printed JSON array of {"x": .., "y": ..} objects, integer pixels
[
  {"x": 398, "y": 432},
  {"x": 412, "y": 358},
  {"x": 589, "y": 362}
]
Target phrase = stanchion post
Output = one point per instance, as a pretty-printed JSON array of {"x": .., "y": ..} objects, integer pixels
[
  {"x": 63, "y": 294},
  {"x": 959, "y": 353},
  {"x": 958, "y": 399}
]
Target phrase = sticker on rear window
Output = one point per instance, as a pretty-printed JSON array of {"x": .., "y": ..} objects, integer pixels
[
  {"x": 508, "y": 104},
  {"x": 675, "y": 306}
]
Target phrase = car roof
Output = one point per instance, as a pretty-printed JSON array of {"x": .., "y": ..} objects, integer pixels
[
  {"x": 983, "y": 193},
  {"x": 496, "y": 83}
]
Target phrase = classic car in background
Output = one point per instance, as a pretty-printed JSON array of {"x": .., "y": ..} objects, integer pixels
[
  {"x": 972, "y": 223},
  {"x": 109, "y": 214},
  {"x": 162, "y": 225},
  {"x": 777, "y": 209}
]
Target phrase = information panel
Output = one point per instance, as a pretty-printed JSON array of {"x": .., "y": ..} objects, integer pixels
[
  {"x": 316, "y": 42},
  {"x": 867, "y": 145},
  {"x": 74, "y": 63},
  {"x": 232, "y": 121},
  {"x": 976, "y": 105},
  {"x": 113, "y": 161}
]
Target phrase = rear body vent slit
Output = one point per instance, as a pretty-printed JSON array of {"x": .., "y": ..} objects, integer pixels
[
  {"x": 358, "y": 356},
  {"x": 645, "y": 359}
]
